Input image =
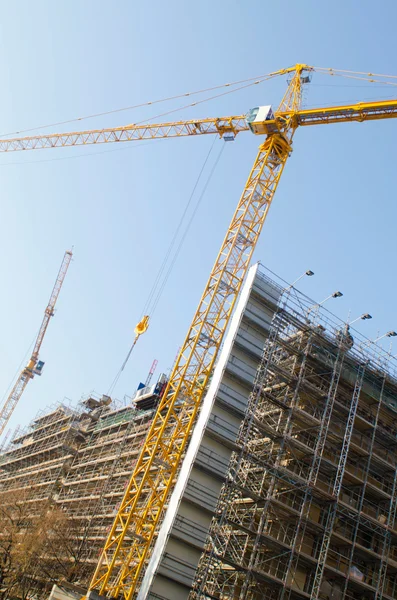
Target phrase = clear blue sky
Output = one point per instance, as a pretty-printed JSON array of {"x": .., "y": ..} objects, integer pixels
[{"x": 335, "y": 209}]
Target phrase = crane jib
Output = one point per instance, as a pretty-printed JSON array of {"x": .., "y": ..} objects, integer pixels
[{"x": 217, "y": 125}]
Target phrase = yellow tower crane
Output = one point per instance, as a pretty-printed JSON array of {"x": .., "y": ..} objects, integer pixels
[
  {"x": 130, "y": 541},
  {"x": 34, "y": 366}
]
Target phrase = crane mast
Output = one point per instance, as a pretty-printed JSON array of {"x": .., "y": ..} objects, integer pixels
[
  {"x": 34, "y": 366},
  {"x": 130, "y": 541},
  {"x": 131, "y": 537}
]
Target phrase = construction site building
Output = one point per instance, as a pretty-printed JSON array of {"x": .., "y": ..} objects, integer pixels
[
  {"x": 182, "y": 536},
  {"x": 78, "y": 459},
  {"x": 308, "y": 508},
  {"x": 288, "y": 488}
]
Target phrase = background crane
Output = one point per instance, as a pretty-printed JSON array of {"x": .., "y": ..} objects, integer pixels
[
  {"x": 150, "y": 374},
  {"x": 34, "y": 366},
  {"x": 132, "y": 536}
]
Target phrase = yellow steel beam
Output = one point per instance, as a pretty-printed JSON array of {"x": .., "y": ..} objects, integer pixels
[
  {"x": 362, "y": 111},
  {"x": 128, "y": 133},
  {"x": 233, "y": 124},
  {"x": 130, "y": 540}
]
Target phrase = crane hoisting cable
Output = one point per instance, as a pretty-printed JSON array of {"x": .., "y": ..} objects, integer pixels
[
  {"x": 140, "y": 329},
  {"x": 34, "y": 366},
  {"x": 165, "y": 271}
]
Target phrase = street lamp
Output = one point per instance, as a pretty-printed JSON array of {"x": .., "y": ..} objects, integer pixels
[
  {"x": 307, "y": 273},
  {"x": 388, "y": 334},
  {"x": 336, "y": 294},
  {"x": 363, "y": 317}
]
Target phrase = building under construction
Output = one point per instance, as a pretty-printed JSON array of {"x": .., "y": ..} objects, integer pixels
[
  {"x": 79, "y": 459},
  {"x": 288, "y": 487}
]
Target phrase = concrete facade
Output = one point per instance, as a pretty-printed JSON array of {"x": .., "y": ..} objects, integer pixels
[{"x": 182, "y": 537}]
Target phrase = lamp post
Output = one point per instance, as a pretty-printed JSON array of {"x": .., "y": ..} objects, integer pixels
[
  {"x": 388, "y": 334},
  {"x": 307, "y": 273},
  {"x": 336, "y": 294},
  {"x": 363, "y": 317}
]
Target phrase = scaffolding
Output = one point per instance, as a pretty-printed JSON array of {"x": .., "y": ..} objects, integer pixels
[
  {"x": 77, "y": 459},
  {"x": 32, "y": 464},
  {"x": 308, "y": 508},
  {"x": 95, "y": 483}
]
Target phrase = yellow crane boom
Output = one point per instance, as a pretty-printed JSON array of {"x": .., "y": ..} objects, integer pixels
[
  {"x": 128, "y": 133},
  {"x": 131, "y": 538},
  {"x": 366, "y": 111},
  {"x": 34, "y": 366}
]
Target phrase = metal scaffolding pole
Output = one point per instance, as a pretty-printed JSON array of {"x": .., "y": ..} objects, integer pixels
[
  {"x": 316, "y": 463},
  {"x": 322, "y": 557},
  {"x": 387, "y": 542},
  {"x": 216, "y": 540},
  {"x": 358, "y": 521}
]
